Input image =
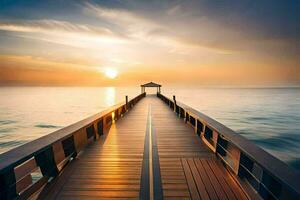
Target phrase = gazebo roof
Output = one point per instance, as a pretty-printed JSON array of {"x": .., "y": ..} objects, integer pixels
[{"x": 151, "y": 84}]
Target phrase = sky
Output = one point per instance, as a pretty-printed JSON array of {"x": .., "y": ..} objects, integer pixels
[{"x": 203, "y": 42}]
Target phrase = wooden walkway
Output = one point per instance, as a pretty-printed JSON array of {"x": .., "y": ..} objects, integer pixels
[{"x": 148, "y": 153}]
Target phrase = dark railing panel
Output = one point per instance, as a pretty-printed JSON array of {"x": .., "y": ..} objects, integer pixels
[
  {"x": 208, "y": 134},
  {"x": 69, "y": 146},
  {"x": 192, "y": 121},
  {"x": 187, "y": 117},
  {"x": 177, "y": 109},
  {"x": 90, "y": 132},
  {"x": 100, "y": 127},
  {"x": 8, "y": 188},
  {"x": 45, "y": 160},
  {"x": 171, "y": 105},
  {"x": 199, "y": 127},
  {"x": 181, "y": 112}
]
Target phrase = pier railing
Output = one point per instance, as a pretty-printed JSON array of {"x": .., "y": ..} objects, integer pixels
[
  {"x": 266, "y": 175},
  {"x": 26, "y": 169}
]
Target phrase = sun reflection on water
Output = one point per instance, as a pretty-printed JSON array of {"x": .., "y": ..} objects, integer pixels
[{"x": 110, "y": 95}]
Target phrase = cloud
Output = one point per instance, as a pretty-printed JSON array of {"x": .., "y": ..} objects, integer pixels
[
  {"x": 169, "y": 34},
  {"x": 130, "y": 23},
  {"x": 63, "y": 32},
  {"x": 170, "y": 29},
  {"x": 123, "y": 25},
  {"x": 46, "y": 26},
  {"x": 174, "y": 10}
]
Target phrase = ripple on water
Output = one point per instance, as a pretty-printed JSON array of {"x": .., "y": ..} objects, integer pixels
[
  {"x": 280, "y": 142},
  {"x": 7, "y": 130},
  {"x": 5, "y": 122},
  {"x": 47, "y": 126}
]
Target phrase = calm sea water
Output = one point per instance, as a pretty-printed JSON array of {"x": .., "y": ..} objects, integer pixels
[{"x": 268, "y": 117}]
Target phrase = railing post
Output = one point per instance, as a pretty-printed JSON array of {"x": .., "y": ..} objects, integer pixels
[
  {"x": 186, "y": 117},
  {"x": 126, "y": 100},
  {"x": 174, "y": 99}
]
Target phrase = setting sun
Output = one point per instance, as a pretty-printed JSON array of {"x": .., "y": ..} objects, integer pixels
[{"x": 111, "y": 73}]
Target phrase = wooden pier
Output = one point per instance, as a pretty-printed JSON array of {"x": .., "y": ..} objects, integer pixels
[{"x": 147, "y": 148}]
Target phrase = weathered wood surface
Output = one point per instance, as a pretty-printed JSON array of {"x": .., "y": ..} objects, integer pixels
[{"x": 111, "y": 167}]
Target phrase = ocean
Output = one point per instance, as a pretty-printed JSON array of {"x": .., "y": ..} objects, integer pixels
[{"x": 270, "y": 117}]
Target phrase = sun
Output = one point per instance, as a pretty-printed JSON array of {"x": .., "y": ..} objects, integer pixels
[{"x": 111, "y": 73}]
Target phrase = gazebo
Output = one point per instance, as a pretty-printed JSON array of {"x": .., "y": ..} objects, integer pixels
[{"x": 150, "y": 84}]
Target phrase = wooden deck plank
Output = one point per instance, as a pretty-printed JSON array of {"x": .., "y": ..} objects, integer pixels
[
  {"x": 199, "y": 182},
  {"x": 215, "y": 183},
  {"x": 206, "y": 180},
  {"x": 190, "y": 181},
  {"x": 236, "y": 189},
  {"x": 111, "y": 167},
  {"x": 93, "y": 193},
  {"x": 217, "y": 173}
]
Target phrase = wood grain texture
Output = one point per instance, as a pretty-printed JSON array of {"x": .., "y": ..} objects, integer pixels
[
  {"x": 111, "y": 167},
  {"x": 187, "y": 165}
]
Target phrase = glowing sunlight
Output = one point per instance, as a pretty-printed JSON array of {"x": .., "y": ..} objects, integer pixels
[{"x": 111, "y": 73}]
